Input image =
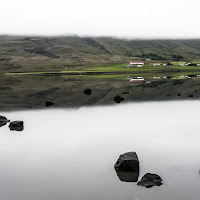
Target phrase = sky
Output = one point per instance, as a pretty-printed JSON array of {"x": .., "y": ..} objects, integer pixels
[{"x": 119, "y": 18}]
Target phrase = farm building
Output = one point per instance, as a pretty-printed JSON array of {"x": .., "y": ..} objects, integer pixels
[
  {"x": 137, "y": 79},
  {"x": 156, "y": 77},
  {"x": 136, "y": 63}
]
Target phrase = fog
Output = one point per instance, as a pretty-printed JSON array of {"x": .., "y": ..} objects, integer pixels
[
  {"x": 126, "y": 19},
  {"x": 70, "y": 154}
]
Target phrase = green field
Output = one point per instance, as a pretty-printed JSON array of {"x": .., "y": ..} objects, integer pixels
[{"x": 116, "y": 71}]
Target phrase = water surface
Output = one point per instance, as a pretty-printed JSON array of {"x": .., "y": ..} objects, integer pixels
[{"x": 70, "y": 153}]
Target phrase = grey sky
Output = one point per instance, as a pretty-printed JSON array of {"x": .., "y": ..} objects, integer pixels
[{"x": 121, "y": 18}]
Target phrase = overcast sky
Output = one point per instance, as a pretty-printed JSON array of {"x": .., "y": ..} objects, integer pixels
[{"x": 121, "y": 18}]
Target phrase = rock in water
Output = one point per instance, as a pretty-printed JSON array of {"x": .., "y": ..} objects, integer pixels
[
  {"x": 127, "y": 162},
  {"x": 2, "y": 118},
  {"x": 150, "y": 180},
  {"x": 118, "y": 99},
  {"x": 3, "y": 121},
  {"x": 16, "y": 126},
  {"x": 48, "y": 104},
  {"x": 87, "y": 91}
]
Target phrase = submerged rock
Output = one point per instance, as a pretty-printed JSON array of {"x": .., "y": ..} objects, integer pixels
[
  {"x": 16, "y": 126},
  {"x": 128, "y": 176},
  {"x": 127, "y": 162},
  {"x": 87, "y": 91},
  {"x": 150, "y": 180},
  {"x": 190, "y": 95},
  {"x": 118, "y": 99},
  {"x": 3, "y": 121},
  {"x": 48, "y": 104}
]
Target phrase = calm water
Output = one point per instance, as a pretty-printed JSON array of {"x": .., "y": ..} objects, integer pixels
[{"x": 70, "y": 154}]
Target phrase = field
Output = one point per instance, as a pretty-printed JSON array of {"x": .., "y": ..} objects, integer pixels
[{"x": 118, "y": 71}]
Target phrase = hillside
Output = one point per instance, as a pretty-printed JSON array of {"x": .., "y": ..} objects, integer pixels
[{"x": 20, "y": 53}]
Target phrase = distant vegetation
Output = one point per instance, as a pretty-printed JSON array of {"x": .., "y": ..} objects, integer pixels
[
  {"x": 177, "y": 57},
  {"x": 152, "y": 56},
  {"x": 29, "y": 54}
]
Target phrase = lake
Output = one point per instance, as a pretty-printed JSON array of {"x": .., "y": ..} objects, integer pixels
[{"x": 70, "y": 153}]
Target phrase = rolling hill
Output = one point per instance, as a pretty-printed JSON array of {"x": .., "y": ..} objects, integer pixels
[{"x": 26, "y": 53}]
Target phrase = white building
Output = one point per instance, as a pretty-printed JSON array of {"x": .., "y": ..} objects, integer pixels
[{"x": 136, "y": 63}]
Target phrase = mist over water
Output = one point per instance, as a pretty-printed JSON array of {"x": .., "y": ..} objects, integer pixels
[{"x": 70, "y": 153}]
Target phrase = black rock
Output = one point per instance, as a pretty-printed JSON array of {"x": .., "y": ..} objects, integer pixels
[
  {"x": 118, "y": 99},
  {"x": 179, "y": 94},
  {"x": 16, "y": 126},
  {"x": 2, "y": 118},
  {"x": 150, "y": 180},
  {"x": 87, "y": 91},
  {"x": 3, "y": 121},
  {"x": 190, "y": 95},
  {"x": 48, "y": 104},
  {"x": 127, "y": 162}
]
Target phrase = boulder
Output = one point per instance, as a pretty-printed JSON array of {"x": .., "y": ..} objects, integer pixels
[
  {"x": 16, "y": 126},
  {"x": 3, "y": 121},
  {"x": 48, "y": 104},
  {"x": 2, "y": 118},
  {"x": 118, "y": 99},
  {"x": 150, "y": 180},
  {"x": 127, "y": 162},
  {"x": 87, "y": 91}
]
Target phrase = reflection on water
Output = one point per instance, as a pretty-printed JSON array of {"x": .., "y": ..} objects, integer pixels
[
  {"x": 33, "y": 92},
  {"x": 127, "y": 176},
  {"x": 69, "y": 154}
]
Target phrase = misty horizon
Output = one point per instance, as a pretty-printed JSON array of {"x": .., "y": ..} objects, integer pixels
[
  {"x": 173, "y": 19},
  {"x": 98, "y": 36}
]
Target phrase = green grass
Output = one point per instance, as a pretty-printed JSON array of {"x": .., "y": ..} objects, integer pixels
[
  {"x": 186, "y": 67},
  {"x": 113, "y": 77},
  {"x": 121, "y": 67},
  {"x": 121, "y": 71}
]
